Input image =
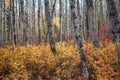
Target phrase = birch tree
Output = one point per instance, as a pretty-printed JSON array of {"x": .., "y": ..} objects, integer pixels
[
  {"x": 101, "y": 10},
  {"x": 49, "y": 25},
  {"x": 78, "y": 38},
  {"x": 91, "y": 14},
  {"x": 53, "y": 13},
  {"x": 86, "y": 20},
  {"x": 113, "y": 16},
  {"x": 61, "y": 17},
  {"x": 39, "y": 21},
  {"x": 5, "y": 26},
  {"x": 79, "y": 16},
  {"x": 13, "y": 23},
  {"x": 26, "y": 26},
  {"x": 33, "y": 20},
  {"x": 17, "y": 19},
  {"x": 1, "y": 22},
  {"x": 21, "y": 19},
  {"x": 96, "y": 15},
  {"x": 67, "y": 19}
]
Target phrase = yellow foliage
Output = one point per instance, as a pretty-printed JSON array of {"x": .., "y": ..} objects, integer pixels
[
  {"x": 56, "y": 22},
  {"x": 39, "y": 63}
]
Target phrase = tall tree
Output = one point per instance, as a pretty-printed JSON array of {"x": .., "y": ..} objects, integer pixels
[
  {"x": 1, "y": 22},
  {"x": 78, "y": 38},
  {"x": 53, "y": 14},
  {"x": 26, "y": 26},
  {"x": 16, "y": 19},
  {"x": 86, "y": 20},
  {"x": 61, "y": 19},
  {"x": 5, "y": 25},
  {"x": 49, "y": 25},
  {"x": 118, "y": 8},
  {"x": 21, "y": 19},
  {"x": 33, "y": 20},
  {"x": 13, "y": 23},
  {"x": 79, "y": 16},
  {"x": 53, "y": 9},
  {"x": 101, "y": 10},
  {"x": 113, "y": 16},
  {"x": 90, "y": 8},
  {"x": 9, "y": 23},
  {"x": 96, "y": 14},
  {"x": 79, "y": 19},
  {"x": 67, "y": 20},
  {"x": 39, "y": 21}
]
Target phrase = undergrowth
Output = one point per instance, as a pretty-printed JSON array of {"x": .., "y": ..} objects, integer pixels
[{"x": 39, "y": 63}]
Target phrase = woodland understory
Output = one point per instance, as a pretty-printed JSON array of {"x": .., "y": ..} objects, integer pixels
[{"x": 59, "y": 39}]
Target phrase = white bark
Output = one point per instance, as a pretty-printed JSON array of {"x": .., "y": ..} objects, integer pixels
[
  {"x": 91, "y": 14},
  {"x": 61, "y": 20},
  {"x": 39, "y": 21},
  {"x": 67, "y": 20},
  {"x": 49, "y": 26},
  {"x": 1, "y": 22},
  {"x": 33, "y": 21},
  {"x": 101, "y": 10},
  {"x": 113, "y": 16},
  {"x": 78, "y": 38},
  {"x": 5, "y": 26}
]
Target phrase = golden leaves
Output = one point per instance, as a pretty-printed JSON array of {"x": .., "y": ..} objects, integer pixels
[
  {"x": 39, "y": 61},
  {"x": 56, "y": 22}
]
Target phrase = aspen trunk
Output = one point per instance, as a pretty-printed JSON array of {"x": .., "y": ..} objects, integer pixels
[
  {"x": 61, "y": 17},
  {"x": 113, "y": 16},
  {"x": 101, "y": 10},
  {"x": 1, "y": 22},
  {"x": 13, "y": 23},
  {"x": 26, "y": 26},
  {"x": 33, "y": 20},
  {"x": 39, "y": 21},
  {"x": 49, "y": 26},
  {"x": 91, "y": 14},
  {"x": 78, "y": 38}
]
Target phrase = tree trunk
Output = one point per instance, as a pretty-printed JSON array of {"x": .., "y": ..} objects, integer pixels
[
  {"x": 16, "y": 20},
  {"x": 33, "y": 20},
  {"x": 61, "y": 17},
  {"x": 67, "y": 20},
  {"x": 91, "y": 14},
  {"x": 118, "y": 8},
  {"x": 20, "y": 20},
  {"x": 13, "y": 23},
  {"x": 49, "y": 26},
  {"x": 78, "y": 38},
  {"x": 86, "y": 21},
  {"x": 5, "y": 27},
  {"x": 39, "y": 21},
  {"x": 96, "y": 14},
  {"x": 79, "y": 16},
  {"x": 101, "y": 10},
  {"x": 113, "y": 16},
  {"x": 53, "y": 15},
  {"x": 26, "y": 26},
  {"x": 1, "y": 22}
]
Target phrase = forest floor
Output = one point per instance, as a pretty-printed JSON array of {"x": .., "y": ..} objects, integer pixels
[{"x": 38, "y": 62}]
